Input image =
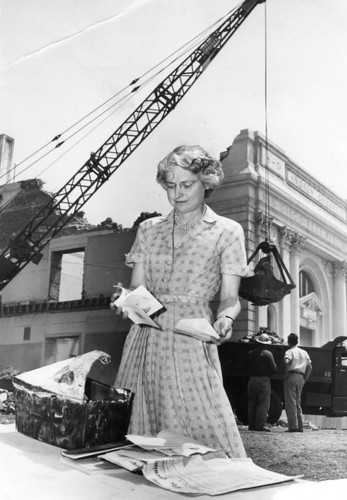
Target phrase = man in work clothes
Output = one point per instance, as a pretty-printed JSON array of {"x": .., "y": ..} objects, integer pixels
[
  {"x": 298, "y": 368},
  {"x": 261, "y": 365}
]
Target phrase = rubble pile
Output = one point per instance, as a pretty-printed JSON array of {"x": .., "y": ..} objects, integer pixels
[
  {"x": 7, "y": 399},
  {"x": 6, "y": 376},
  {"x": 7, "y": 402}
]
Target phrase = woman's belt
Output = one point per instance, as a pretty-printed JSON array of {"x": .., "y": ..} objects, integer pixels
[{"x": 182, "y": 299}]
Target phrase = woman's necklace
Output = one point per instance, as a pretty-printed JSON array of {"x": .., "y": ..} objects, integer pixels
[{"x": 188, "y": 226}]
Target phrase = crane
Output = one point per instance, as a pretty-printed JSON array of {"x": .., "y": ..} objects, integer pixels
[{"x": 27, "y": 245}]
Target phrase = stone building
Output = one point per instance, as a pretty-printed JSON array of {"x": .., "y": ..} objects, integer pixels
[{"x": 264, "y": 189}]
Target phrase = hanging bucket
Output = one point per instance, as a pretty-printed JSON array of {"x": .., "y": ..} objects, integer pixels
[{"x": 264, "y": 288}]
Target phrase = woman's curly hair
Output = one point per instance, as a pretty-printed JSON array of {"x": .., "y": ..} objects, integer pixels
[{"x": 196, "y": 160}]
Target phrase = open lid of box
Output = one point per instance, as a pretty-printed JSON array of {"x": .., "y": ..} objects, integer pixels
[{"x": 66, "y": 378}]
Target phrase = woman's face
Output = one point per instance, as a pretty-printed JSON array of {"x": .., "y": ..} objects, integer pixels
[{"x": 185, "y": 191}]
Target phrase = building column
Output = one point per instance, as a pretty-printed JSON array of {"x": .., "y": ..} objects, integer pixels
[
  {"x": 284, "y": 306},
  {"x": 297, "y": 244},
  {"x": 339, "y": 299}
]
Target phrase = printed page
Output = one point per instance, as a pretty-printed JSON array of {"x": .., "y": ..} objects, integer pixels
[
  {"x": 142, "y": 455},
  {"x": 91, "y": 465},
  {"x": 140, "y": 304},
  {"x": 199, "y": 328},
  {"x": 170, "y": 443},
  {"x": 131, "y": 464},
  {"x": 213, "y": 476}
]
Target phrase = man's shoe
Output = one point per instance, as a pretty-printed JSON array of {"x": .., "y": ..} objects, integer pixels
[{"x": 263, "y": 429}]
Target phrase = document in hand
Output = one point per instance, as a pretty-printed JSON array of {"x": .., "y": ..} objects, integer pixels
[
  {"x": 199, "y": 328},
  {"x": 140, "y": 304}
]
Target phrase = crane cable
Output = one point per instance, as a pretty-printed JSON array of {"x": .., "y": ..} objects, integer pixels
[
  {"x": 267, "y": 173},
  {"x": 269, "y": 283},
  {"x": 134, "y": 87}
]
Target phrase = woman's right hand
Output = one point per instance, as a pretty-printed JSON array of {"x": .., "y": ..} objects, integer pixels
[{"x": 117, "y": 309}]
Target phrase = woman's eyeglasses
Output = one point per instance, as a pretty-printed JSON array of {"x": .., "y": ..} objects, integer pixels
[{"x": 185, "y": 186}]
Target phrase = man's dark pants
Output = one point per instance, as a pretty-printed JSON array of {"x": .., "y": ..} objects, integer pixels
[{"x": 259, "y": 391}]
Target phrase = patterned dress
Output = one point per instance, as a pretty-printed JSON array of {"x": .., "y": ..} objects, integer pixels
[{"x": 177, "y": 379}]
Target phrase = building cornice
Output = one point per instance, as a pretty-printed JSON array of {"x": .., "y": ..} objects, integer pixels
[
  {"x": 274, "y": 158},
  {"x": 22, "y": 308},
  {"x": 300, "y": 219}
]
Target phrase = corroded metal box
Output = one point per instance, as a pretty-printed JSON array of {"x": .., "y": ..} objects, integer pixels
[{"x": 59, "y": 405}]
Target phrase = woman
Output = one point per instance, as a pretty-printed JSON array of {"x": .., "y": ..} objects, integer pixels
[{"x": 184, "y": 259}]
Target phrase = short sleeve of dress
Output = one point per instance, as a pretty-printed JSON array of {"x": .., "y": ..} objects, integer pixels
[
  {"x": 137, "y": 251},
  {"x": 233, "y": 254}
]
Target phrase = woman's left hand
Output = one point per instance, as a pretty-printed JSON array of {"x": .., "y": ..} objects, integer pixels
[{"x": 224, "y": 327}]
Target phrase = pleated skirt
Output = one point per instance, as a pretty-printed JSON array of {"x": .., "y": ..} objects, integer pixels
[{"x": 177, "y": 383}]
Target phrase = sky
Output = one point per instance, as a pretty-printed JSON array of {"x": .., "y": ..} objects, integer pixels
[{"x": 61, "y": 59}]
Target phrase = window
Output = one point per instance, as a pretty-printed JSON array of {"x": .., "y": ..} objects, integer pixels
[
  {"x": 306, "y": 336},
  {"x": 66, "y": 280},
  {"x": 27, "y": 333},
  {"x": 60, "y": 348},
  {"x": 305, "y": 284}
]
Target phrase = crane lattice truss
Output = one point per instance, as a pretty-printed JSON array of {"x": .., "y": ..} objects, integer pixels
[{"x": 27, "y": 245}]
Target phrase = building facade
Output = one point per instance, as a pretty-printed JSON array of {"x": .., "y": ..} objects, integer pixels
[
  {"x": 61, "y": 307},
  {"x": 272, "y": 196}
]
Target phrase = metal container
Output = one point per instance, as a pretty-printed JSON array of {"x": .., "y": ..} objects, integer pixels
[{"x": 62, "y": 409}]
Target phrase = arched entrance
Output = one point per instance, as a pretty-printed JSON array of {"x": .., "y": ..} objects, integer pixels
[{"x": 311, "y": 310}]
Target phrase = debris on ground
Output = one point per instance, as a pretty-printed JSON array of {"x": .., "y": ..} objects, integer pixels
[
  {"x": 309, "y": 425},
  {"x": 6, "y": 376},
  {"x": 7, "y": 400},
  {"x": 252, "y": 337},
  {"x": 7, "y": 407}
]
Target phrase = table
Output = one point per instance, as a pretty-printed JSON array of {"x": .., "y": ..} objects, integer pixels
[{"x": 31, "y": 470}]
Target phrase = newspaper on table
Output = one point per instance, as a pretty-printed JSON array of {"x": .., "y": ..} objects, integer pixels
[
  {"x": 169, "y": 443},
  {"x": 140, "y": 304},
  {"x": 89, "y": 465},
  {"x": 209, "y": 475},
  {"x": 150, "y": 448},
  {"x": 183, "y": 465}
]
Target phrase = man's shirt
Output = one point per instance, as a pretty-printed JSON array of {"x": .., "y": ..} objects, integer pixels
[
  {"x": 261, "y": 363},
  {"x": 298, "y": 359}
]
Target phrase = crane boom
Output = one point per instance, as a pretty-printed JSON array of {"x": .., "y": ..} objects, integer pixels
[{"x": 27, "y": 245}]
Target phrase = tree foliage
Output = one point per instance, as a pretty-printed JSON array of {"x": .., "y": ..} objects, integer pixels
[
  {"x": 143, "y": 216},
  {"x": 109, "y": 224}
]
